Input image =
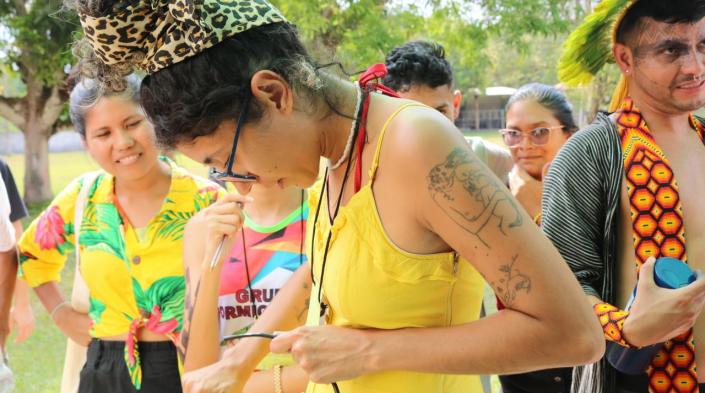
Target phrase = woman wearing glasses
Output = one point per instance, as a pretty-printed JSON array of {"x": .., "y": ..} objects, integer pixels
[
  {"x": 402, "y": 200},
  {"x": 539, "y": 122},
  {"x": 129, "y": 241}
]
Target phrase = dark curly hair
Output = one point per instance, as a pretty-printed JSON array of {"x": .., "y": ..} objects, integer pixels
[
  {"x": 417, "y": 63},
  {"x": 191, "y": 98},
  {"x": 672, "y": 12}
]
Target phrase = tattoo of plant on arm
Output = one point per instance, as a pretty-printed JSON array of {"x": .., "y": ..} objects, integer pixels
[
  {"x": 471, "y": 197},
  {"x": 302, "y": 314},
  {"x": 189, "y": 304},
  {"x": 304, "y": 310},
  {"x": 512, "y": 282}
]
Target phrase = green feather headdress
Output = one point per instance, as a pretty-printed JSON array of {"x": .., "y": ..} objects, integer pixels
[{"x": 589, "y": 47}]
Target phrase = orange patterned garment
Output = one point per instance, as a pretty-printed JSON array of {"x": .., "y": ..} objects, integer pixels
[{"x": 657, "y": 218}]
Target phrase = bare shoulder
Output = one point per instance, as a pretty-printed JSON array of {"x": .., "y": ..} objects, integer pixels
[
  {"x": 424, "y": 156},
  {"x": 419, "y": 135},
  {"x": 454, "y": 192}
]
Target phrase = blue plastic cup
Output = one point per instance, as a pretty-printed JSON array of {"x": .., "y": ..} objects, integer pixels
[{"x": 669, "y": 273}]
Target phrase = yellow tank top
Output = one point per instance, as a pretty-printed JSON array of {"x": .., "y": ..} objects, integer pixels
[{"x": 369, "y": 282}]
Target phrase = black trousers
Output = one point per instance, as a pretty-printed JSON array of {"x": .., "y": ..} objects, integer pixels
[
  {"x": 556, "y": 380},
  {"x": 559, "y": 381},
  {"x": 105, "y": 370}
]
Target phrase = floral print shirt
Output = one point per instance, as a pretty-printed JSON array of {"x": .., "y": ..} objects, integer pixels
[{"x": 133, "y": 281}]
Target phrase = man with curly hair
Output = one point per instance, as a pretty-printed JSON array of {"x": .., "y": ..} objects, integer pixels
[{"x": 419, "y": 71}]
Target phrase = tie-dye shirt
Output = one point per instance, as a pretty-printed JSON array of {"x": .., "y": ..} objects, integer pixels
[
  {"x": 273, "y": 254},
  {"x": 133, "y": 282}
]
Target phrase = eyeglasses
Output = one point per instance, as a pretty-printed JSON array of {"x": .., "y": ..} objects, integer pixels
[
  {"x": 229, "y": 175},
  {"x": 537, "y": 136}
]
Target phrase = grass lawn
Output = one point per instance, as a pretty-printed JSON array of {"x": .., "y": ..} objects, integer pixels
[{"x": 37, "y": 363}]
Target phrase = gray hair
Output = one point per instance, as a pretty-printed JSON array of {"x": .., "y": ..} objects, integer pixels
[
  {"x": 550, "y": 98},
  {"x": 87, "y": 92}
]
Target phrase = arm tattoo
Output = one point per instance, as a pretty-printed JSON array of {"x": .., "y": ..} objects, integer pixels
[
  {"x": 471, "y": 197},
  {"x": 512, "y": 282},
  {"x": 189, "y": 305},
  {"x": 304, "y": 309}
]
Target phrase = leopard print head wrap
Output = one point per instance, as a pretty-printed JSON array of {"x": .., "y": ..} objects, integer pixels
[{"x": 153, "y": 34}]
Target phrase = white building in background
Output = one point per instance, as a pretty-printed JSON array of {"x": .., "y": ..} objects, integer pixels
[
  {"x": 63, "y": 141},
  {"x": 484, "y": 110}
]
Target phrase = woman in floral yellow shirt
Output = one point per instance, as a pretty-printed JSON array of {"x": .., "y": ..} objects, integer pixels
[{"x": 130, "y": 244}]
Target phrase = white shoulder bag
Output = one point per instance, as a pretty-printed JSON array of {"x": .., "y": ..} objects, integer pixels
[{"x": 76, "y": 353}]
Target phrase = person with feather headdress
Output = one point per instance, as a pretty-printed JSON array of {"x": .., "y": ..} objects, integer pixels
[{"x": 622, "y": 191}]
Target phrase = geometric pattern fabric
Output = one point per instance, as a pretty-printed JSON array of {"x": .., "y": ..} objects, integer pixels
[
  {"x": 657, "y": 224},
  {"x": 612, "y": 321}
]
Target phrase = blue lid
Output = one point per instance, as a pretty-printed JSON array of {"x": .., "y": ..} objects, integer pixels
[{"x": 672, "y": 273}]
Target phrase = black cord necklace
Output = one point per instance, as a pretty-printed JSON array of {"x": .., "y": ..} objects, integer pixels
[
  {"x": 358, "y": 115},
  {"x": 247, "y": 273},
  {"x": 301, "y": 227},
  {"x": 249, "y": 281},
  {"x": 324, "y": 306},
  {"x": 253, "y": 303}
]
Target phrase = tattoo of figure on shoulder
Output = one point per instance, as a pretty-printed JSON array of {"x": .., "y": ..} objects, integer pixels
[
  {"x": 471, "y": 197},
  {"x": 512, "y": 282}
]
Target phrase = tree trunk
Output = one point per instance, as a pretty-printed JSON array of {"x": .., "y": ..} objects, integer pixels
[
  {"x": 37, "y": 183},
  {"x": 35, "y": 114},
  {"x": 42, "y": 109},
  {"x": 600, "y": 90}
]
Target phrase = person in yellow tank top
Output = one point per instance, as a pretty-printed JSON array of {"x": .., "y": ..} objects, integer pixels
[
  {"x": 418, "y": 70},
  {"x": 396, "y": 299}
]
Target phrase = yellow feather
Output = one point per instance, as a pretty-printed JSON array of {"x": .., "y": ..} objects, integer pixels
[{"x": 589, "y": 47}]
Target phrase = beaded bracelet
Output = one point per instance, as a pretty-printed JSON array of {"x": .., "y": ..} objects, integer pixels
[
  {"x": 278, "y": 379},
  {"x": 612, "y": 321}
]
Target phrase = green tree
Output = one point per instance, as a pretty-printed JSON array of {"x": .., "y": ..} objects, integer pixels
[
  {"x": 35, "y": 49},
  {"x": 361, "y": 32},
  {"x": 533, "y": 60}
]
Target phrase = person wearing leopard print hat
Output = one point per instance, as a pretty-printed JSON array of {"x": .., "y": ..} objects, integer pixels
[{"x": 412, "y": 219}]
